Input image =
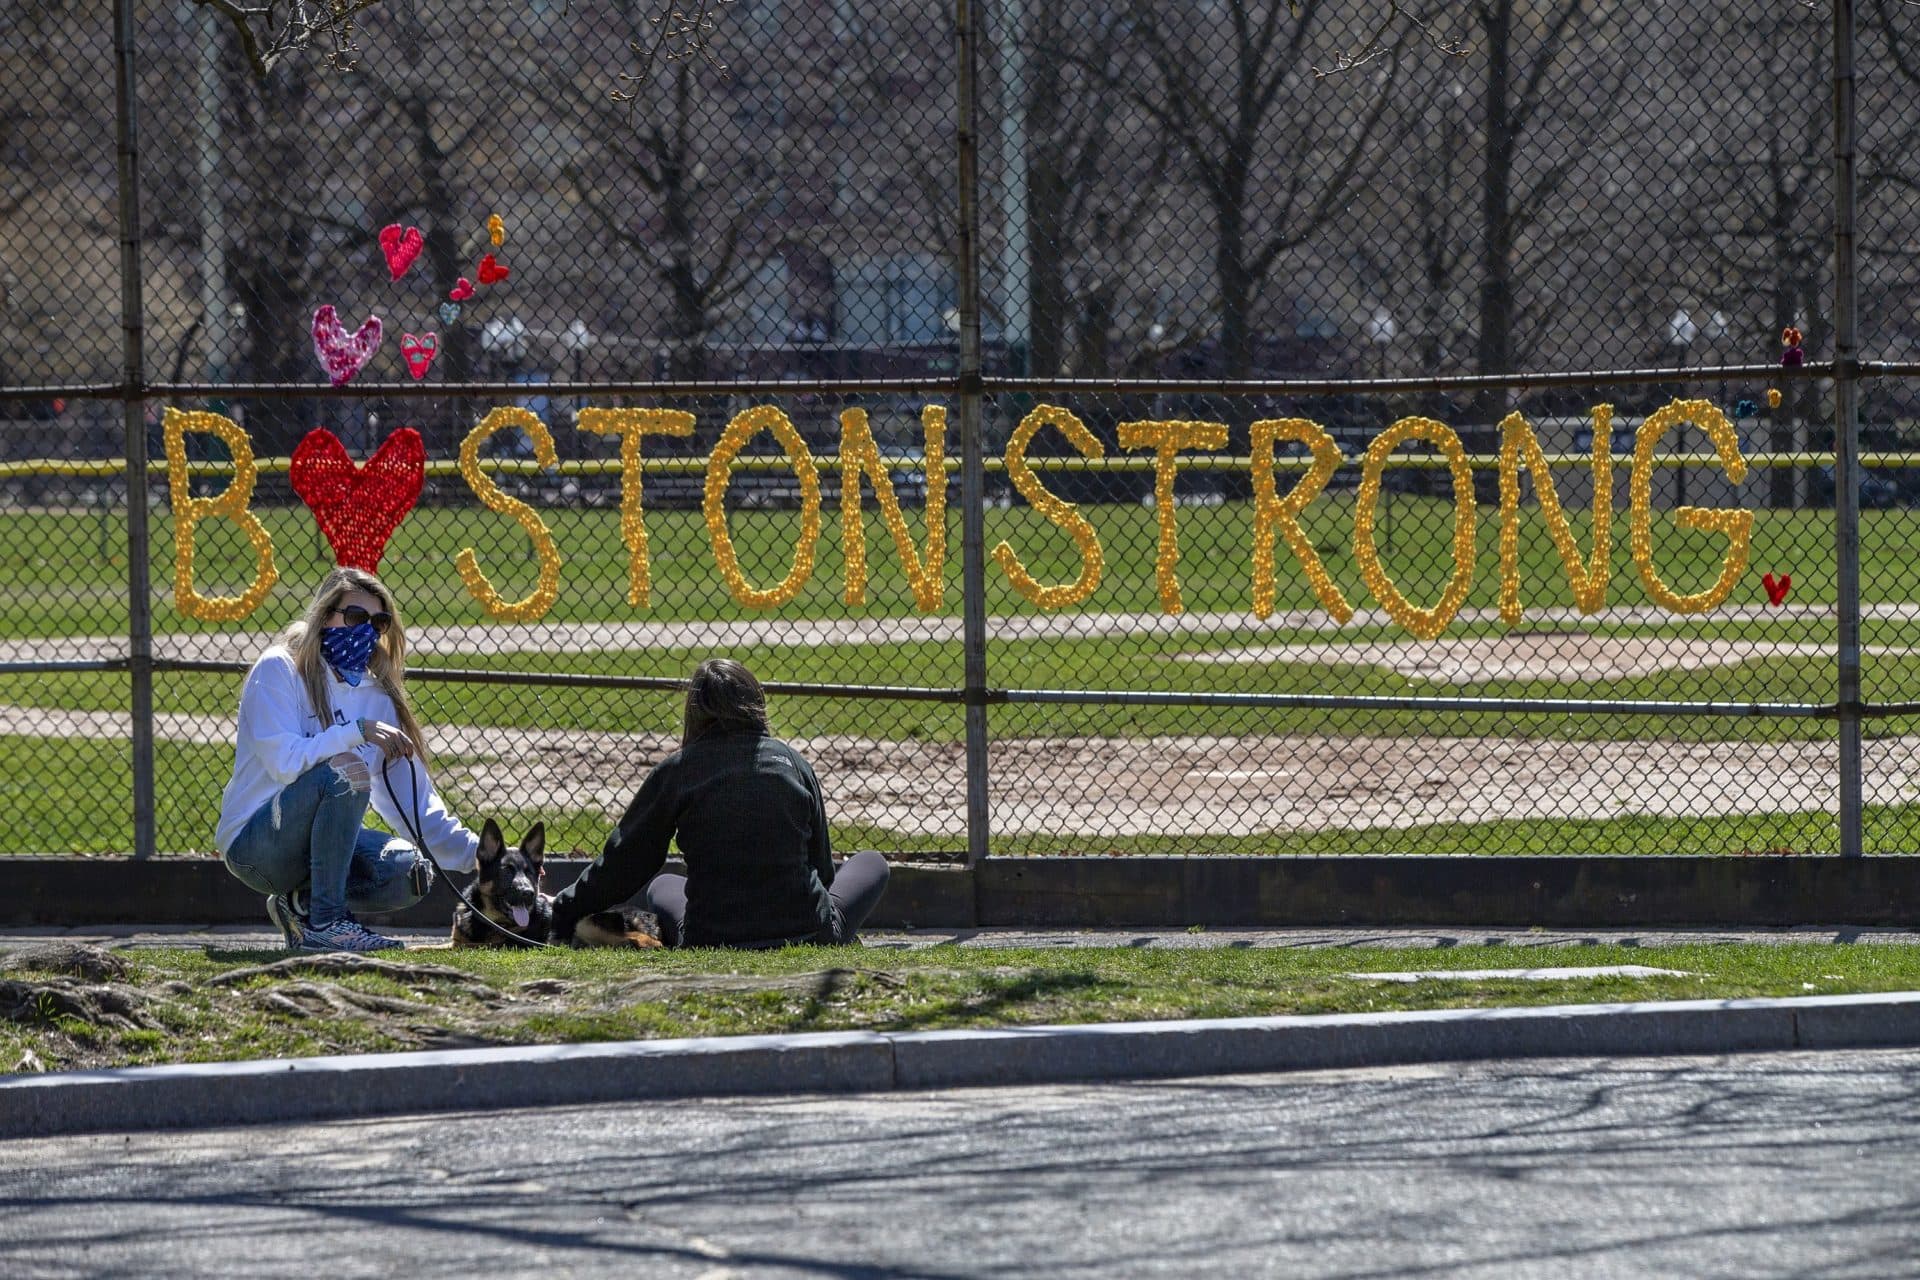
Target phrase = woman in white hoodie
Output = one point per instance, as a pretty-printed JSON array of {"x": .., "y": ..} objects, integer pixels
[{"x": 324, "y": 726}]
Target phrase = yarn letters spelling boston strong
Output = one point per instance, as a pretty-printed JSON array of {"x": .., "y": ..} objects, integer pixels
[{"x": 359, "y": 507}]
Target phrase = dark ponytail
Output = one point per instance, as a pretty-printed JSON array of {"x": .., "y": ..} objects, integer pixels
[{"x": 723, "y": 697}]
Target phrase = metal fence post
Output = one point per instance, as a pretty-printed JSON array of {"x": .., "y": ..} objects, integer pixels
[
  {"x": 1846, "y": 431},
  {"x": 973, "y": 470},
  {"x": 133, "y": 380}
]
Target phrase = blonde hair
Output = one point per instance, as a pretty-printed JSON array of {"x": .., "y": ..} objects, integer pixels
[{"x": 388, "y": 665}]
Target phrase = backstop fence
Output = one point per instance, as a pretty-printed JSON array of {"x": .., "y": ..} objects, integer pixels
[{"x": 1108, "y": 427}]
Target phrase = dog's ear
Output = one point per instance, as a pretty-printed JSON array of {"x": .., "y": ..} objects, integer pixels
[
  {"x": 492, "y": 843},
  {"x": 534, "y": 845}
]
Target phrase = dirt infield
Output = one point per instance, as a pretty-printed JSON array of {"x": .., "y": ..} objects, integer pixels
[
  {"x": 1175, "y": 786},
  {"x": 1571, "y": 656}
]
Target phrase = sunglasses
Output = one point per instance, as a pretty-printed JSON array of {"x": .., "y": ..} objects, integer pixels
[{"x": 355, "y": 615}]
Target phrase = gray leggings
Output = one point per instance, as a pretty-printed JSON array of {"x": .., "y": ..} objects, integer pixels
[{"x": 857, "y": 885}]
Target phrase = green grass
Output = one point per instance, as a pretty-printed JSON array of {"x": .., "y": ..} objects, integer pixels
[
  {"x": 570, "y": 997},
  {"x": 65, "y": 574}
]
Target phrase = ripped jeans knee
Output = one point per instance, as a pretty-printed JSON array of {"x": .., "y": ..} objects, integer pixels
[{"x": 350, "y": 769}]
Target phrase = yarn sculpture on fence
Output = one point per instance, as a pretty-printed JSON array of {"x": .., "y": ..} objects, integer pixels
[
  {"x": 342, "y": 354},
  {"x": 359, "y": 507}
]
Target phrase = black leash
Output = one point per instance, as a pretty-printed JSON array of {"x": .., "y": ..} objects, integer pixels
[{"x": 414, "y": 823}]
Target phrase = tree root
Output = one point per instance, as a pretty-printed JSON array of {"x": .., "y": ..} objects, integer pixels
[
  {"x": 74, "y": 959},
  {"x": 101, "y": 1005},
  {"x": 340, "y": 963},
  {"x": 309, "y": 999}
]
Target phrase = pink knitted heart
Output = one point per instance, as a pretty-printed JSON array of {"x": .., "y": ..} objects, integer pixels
[
  {"x": 419, "y": 352},
  {"x": 340, "y": 354},
  {"x": 401, "y": 247},
  {"x": 461, "y": 291}
]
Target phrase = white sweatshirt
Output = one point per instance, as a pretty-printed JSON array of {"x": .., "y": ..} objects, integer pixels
[{"x": 281, "y": 738}]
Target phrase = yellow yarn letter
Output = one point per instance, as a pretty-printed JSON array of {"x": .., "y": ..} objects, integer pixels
[
  {"x": 534, "y": 606},
  {"x": 1735, "y": 524},
  {"x": 1425, "y": 624},
  {"x": 189, "y": 511},
  {"x": 859, "y": 455},
  {"x": 1064, "y": 514},
  {"x": 1270, "y": 512},
  {"x": 630, "y": 425},
  {"x": 1166, "y": 439},
  {"x": 720, "y": 473},
  {"x": 1518, "y": 445}
]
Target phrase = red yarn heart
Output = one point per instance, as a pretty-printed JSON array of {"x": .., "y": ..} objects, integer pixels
[
  {"x": 461, "y": 291},
  {"x": 1776, "y": 587},
  {"x": 419, "y": 351},
  {"x": 491, "y": 272},
  {"x": 401, "y": 248},
  {"x": 359, "y": 507}
]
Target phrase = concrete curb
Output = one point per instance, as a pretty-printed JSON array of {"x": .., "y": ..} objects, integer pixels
[{"x": 305, "y": 1089}]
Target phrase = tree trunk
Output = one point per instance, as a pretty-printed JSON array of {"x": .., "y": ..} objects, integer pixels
[
  {"x": 1494, "y": 351},
  {"x": 441, "y": 215},
  {"x": 1236, "y": 284},
  {"x": 688, "y": 336},
  {"x": 272, "y": 251},
  {"x": 1049, "y": 300}
]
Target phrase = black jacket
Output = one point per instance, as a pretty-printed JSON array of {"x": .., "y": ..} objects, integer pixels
[{"x": 747, "y": 812}]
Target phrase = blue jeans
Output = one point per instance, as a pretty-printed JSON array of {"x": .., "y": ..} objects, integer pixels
[{"x": 310, "y": 837}]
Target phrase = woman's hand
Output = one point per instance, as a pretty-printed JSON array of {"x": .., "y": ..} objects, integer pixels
[{"x": 391, "y": 739}]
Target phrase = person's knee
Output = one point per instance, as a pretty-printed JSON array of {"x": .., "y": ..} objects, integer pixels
[
  {"x": 350, "y": 774},
  {"x": 873, "y": 866}
]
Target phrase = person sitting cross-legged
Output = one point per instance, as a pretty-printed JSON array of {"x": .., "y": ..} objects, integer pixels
[{"x": 748, "y": 814}]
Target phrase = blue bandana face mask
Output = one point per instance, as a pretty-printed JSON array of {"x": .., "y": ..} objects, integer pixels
[{"x": 349, "y": 649}]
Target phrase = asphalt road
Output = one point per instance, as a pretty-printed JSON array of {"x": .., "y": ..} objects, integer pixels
[{"x": 1780, "y": 1165}]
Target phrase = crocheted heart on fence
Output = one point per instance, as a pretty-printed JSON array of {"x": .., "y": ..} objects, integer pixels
[
  {"x": 342, "y": 354},
  {"x": 492, "y": 270},
  {"x": 359, "y": 507},
  {"x": 401, "y": 248},
  {"x": 419, "y": 351}
]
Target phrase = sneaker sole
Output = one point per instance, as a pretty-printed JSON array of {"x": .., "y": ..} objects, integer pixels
[{"x": 289, "y": 924}]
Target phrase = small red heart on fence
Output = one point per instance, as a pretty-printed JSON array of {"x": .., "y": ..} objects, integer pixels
[
  {"x": 1776, "y": 587},
  {"x": 461, "y": 291},
  {"x": 419, "y": 351},
  {"x": 359, "y": 507},
  {"x": 401, "y": 248},
  {"x": 491, "y": 272}
]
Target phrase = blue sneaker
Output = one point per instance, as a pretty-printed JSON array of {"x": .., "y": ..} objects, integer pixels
[{"x": 345, "y": 934}]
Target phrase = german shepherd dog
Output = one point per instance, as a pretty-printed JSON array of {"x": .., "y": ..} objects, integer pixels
[{"x": 506, "y": 889}]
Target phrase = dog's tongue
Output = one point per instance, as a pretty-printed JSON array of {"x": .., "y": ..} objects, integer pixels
[{"x": 520, "y": 916}]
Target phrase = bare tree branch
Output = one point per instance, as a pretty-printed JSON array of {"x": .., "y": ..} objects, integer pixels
[
  {"x": 269, "y": 32},
  {"x": 1377, "y": 45}
]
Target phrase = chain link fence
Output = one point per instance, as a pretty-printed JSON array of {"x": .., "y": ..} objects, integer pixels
[{"x": 1108, "y": 427}]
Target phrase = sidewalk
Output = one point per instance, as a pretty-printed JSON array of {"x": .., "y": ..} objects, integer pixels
[{"x": 288, "y": 1090}]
